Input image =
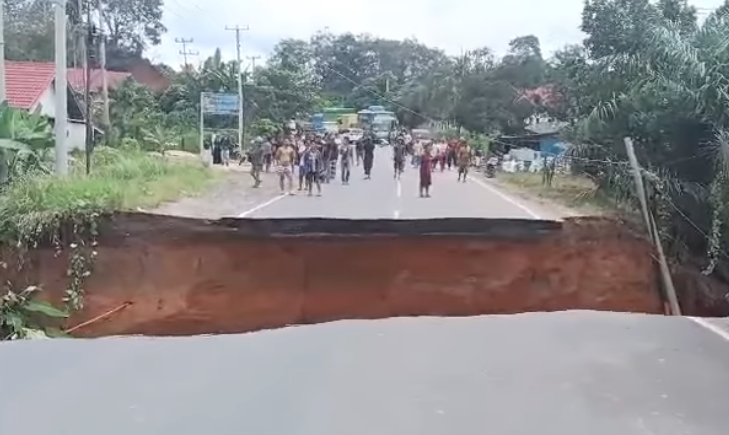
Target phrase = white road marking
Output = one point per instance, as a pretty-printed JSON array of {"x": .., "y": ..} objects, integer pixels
[
  {"x": 710, "y": 327},
  {"x": 506, "y": 198},
  {"x": 398, "y": 193},
  {"x": 262, "y": 205}
]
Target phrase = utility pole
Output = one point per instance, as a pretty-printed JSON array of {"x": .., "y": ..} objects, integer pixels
[
  {"x": 669, "y": 289},
  {"x": 89, "y": 43},
  {"x": 2, "y": 51},
  {"x": 241, "y": 122},
  {"x": 102, "y": 64},
  {"x": 253, "y": 60},
  {"x": 61, "y": 107},
  {"x": 185, "y": 52}
]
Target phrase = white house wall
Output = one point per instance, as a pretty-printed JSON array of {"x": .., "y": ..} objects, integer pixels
[
  {"x": 47, "y": 103},
  {"x": 75, "y": 132}
]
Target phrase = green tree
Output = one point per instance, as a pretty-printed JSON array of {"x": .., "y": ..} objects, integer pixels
[
  {"x": 29, "y": 33},
  {"x": 132, "y": 25},
  {"x": 615, "y": 26}
]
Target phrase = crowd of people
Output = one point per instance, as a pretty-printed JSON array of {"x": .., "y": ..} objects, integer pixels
[{"x": 316, "y": 159}]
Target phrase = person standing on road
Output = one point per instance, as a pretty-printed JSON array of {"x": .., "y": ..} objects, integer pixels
[
  {"x": 225, "y": 145},
  {"x": 443, "y": 156},
  {"x": 285, "y": 156},
  {"x": 268, "y": 154},
  {"x": 256, "y": 158},
  {"x": 463, "y": 160},
  {"x": 359, "y": 151},
  {"x": 450, "y": 154},
  {"x": 346, "y": 154},
  {"x": 312, "y": 168},
  {"x": 398, "y": 158},
  {"x": 331, "y": 156},
  {"x": 426, "y": 172},
  {"x": 369, "y": 155},
  {"x": 417, "y": 153},
  {"x": 303, "y": 149}
]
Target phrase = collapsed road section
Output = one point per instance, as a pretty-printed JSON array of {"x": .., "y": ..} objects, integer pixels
[{"x": 178, "y": 276}]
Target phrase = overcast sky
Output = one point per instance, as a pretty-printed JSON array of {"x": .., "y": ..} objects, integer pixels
[{"x": 452, "y": 25}]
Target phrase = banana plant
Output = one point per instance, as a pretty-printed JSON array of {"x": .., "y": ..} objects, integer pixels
[
  {"x": 157, "y": 139},
  {"x": 25, "y": 139}
]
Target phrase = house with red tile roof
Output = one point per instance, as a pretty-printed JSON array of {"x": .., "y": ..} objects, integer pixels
[
  {"x": 140, "y": 70},
  {"x": 31, "y": 86},
  {"x": 542, "y": 97}
]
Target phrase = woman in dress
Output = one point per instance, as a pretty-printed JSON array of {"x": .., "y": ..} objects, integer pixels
[{"x": 426, "y": 172}]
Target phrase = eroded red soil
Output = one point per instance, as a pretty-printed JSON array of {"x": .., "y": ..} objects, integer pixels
[{"x": 186, "y": 276}]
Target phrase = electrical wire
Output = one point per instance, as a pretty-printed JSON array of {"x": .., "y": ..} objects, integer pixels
[
  {"x": 380, "y": 96},
  {"x": 567, "y": 157}
]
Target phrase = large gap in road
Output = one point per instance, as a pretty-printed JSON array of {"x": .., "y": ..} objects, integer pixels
[{"x": 178, "y": 276}]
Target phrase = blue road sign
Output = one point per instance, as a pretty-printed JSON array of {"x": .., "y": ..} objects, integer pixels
[{"x": 220, "y": 104}]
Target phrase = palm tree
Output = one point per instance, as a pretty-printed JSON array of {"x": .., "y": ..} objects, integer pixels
[{"x": 671, "y": 96}]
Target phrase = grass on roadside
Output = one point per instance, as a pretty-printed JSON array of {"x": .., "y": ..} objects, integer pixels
[
  {"x": 119, "y": 180},
  {"x": 577, "y": 193}
]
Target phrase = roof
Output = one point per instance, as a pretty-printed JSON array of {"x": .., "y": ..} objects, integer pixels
[
  {"x": 77, "y": 78},
  {"x": 528, "y": 136},
  {"x": 545, "y": 96},
  {"x": 547, "y": 128},
  {"x": 566, "y": 373},
  {"x": 25, "y": 82}
]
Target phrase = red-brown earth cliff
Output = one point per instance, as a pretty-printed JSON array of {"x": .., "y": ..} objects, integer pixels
[{"x": 186, "y": 276}]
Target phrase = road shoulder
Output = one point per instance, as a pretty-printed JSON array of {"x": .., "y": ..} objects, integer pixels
[
  {"x": 566, "y": 198},
  {"x": 231, "y": 197}
]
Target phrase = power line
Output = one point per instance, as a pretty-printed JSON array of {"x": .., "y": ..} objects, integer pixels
[
  {"x": 380, "y": 96},
  {"x": 185, "y": 52}
]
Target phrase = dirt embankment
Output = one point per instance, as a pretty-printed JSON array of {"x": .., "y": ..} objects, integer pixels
[{"x": 185, "y": 276}]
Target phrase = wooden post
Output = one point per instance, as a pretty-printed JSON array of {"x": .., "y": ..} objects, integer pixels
[{"x": 652, "y": 229}]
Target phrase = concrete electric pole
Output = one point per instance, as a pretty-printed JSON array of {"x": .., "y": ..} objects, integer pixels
[
  {"x": 241, "y": 124},
  {"x": 102, "y": 64},
  {"x": 88, "y": 50},
  {"x": 61, "y": 107}
]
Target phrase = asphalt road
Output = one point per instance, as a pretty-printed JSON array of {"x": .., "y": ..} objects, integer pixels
[
  {"x": 569, "y": 373},
  {"x": 383, "y": 197}
]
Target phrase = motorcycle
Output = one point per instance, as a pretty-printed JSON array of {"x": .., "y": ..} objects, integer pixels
[{"x": 490, "y": 170}]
